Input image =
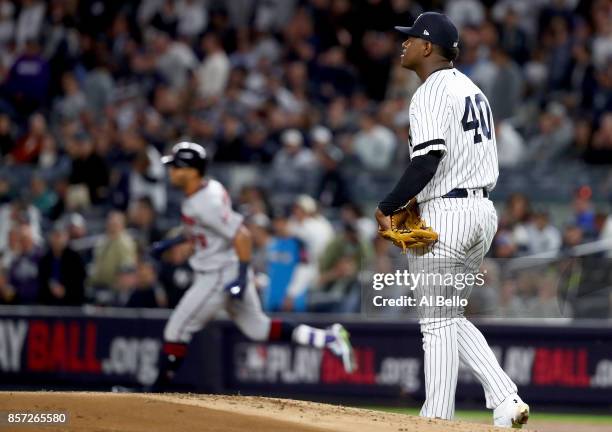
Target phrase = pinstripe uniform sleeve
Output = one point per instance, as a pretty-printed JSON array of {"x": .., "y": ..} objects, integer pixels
[{"x": 428, "y": 115}]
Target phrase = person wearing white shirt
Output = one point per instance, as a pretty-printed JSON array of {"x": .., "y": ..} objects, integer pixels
[
  {"x": 510, "y": 145},
  {"x": 310, "y": 226},
  {"x": 542, "y": 236},
  {"x": 213, "y": 73},
  {"x": 375, "y": 144}
]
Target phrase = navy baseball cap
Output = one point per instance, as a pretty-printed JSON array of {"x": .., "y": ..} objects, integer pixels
[
  {"x": 434, "y": 27},
  {"x": 187, "y": 155}
]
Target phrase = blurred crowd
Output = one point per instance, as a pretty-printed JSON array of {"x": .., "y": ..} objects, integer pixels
[{"x": 93, "y": 93}]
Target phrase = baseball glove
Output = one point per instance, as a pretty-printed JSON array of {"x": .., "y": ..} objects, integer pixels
[{"x": 408, "y": 229}]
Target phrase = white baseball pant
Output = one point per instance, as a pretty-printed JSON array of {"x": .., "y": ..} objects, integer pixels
[
  {"x": 206, "y": 297},
  {"x": 466, "y": 227}
]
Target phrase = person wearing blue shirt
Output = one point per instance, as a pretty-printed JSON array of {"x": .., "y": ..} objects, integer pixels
[{"x": 289, "y": 270}]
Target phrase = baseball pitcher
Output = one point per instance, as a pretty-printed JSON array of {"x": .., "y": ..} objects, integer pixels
[{"x": 453, "y": 168}]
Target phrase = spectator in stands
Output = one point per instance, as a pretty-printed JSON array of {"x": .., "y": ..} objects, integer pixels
[
  {"x": 15, "y": 214},
  {"x": 12, "y": 249},
  {"x": 601, "y": 145},
  {"x": 7, "y": 194},
  {"x": 293, "y": 165},
  {"x": 72, "y": 104},
  {"x": 253, "y": 200},
  {"x": 554, "y": 135},
  {"x": 384, "y": 256},
  {"x": 99, "y": 85},
  {"x": 175, "y": 274},
  {"x": 260, "y": 226},
  {"x": 28, "y": 148},
  {"x": 51, "y": 161},
  {"x": 606, "y": 233},
  {"x": 481, "y": 42},
  {"x": 89, "y": 170},
  {"x": 75, "y": 225},
  {"x": 290, "y": 270},
  {"x": 511, "y": 148},
  {"x": 515, "y": 219},
  {"x": 511, "y": 305},
  {"x": 43, "y": 198},
  {"x": 213, "y": 73},
  {"x": 602, "y": 103},
  {"x": 23, "y": 273},
  {"x": 374, "y": 144},
  {"x": 27, "y": 83},
  {"x": 61, "y": 272},
  {"x": 572, "y": 236},
  {"x": 512, "y": 38},
  {"x": 320, "y": 137},
  {"x": 7, "y": 23},
  {"x": 337, "y": 115},
  {"x": 192, "y": 18},
  {"x": 147, "y": 174},
  {"x": 230, "y": 140},
  {"x": 352, "y": 214},
  {"x": 7, "y": 135},
  {"x": 115, "y": 250},
  {"x": 172, "y": 60},
  {"x": 310, "y": 226},
  {"x": 122, "y": 289},
  {"x": 584, "y": 212},
  {"x": 333, "y": 76},
  {"x": 164, "y": 16},
  {"x": 542, "y": 235},
  {"x": 258, "y": 147},
  {"x": 7, "y": 292},
  {"x": 333, "y": 189},
  {"x": 485, "y": 300},
  {"x": 507, "y": 88},
  {"x": 581, "y": 77},
  {"x": 546, "y": 303},
  {"x": 465, "y": 12},
  {"x": 29, "y": 21},
  {"x": 339, "y": 268},
  {"x": 143, "y": 222},
  {"x": 601, "y": 36},
  {"x": 518, "y": 209},
  {"x": 146, "y": 292},
  {"x": 558, "y": 41},
  {"x": 504, "y": 245}
]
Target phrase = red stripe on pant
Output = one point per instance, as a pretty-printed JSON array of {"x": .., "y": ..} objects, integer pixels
[
  {"x": 174, "y": 348},
  {"x": 275, "y": 330}
]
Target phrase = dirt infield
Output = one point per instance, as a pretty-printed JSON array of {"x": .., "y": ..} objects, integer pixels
[
  {"x": 123, "y": 412},
  {"x": 98, "y": 412}
]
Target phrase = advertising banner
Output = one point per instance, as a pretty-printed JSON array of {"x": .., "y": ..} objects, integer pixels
[{"x": 549, "y": 363}]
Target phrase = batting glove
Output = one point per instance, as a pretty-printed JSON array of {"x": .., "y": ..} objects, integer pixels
[{"x": 236, "y": 288}]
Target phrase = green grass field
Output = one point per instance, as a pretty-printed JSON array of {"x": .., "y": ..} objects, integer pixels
[{"x": 485, "y": 416}]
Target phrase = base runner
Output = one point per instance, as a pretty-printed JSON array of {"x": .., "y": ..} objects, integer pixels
[
  {"x": 453, "y": 168},
  {"x": 223, "y": 279}
]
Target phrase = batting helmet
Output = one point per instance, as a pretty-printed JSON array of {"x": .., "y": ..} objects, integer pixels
[{"x": 187, "y": 155}]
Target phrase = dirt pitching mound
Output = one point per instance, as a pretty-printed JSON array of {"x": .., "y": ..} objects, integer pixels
[{"x": 101, "y": 412}]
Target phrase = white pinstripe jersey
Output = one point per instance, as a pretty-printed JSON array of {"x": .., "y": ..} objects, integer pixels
[
  {"x": 210, "y": 221},
  {"x": 448, "y": 112}
]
